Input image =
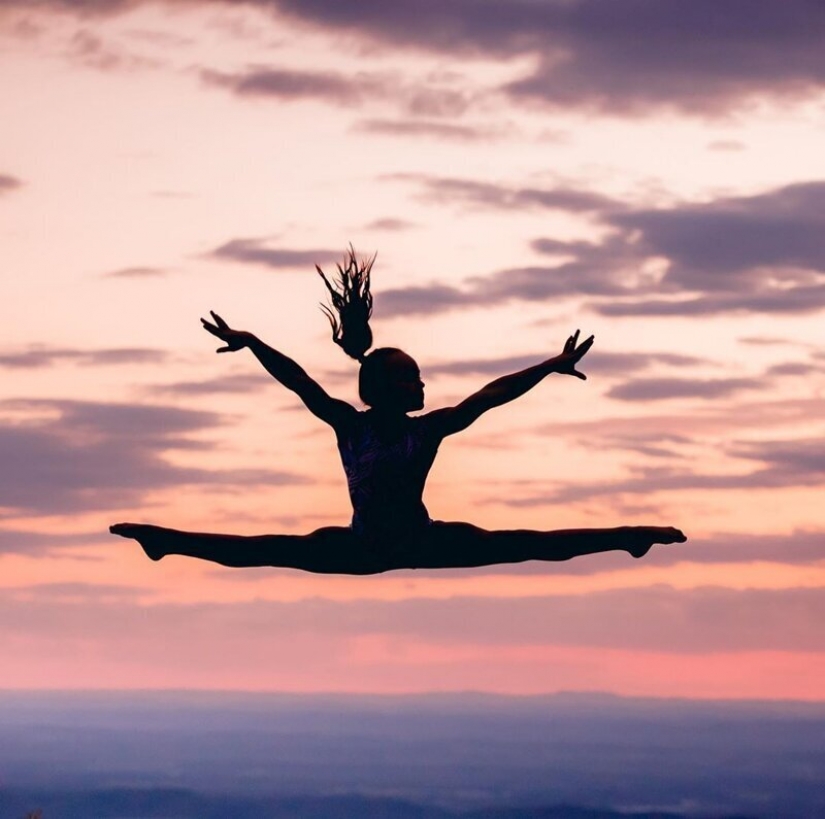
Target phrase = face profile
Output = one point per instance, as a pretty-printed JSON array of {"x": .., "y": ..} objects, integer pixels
[{"x": 404, "y": 386}]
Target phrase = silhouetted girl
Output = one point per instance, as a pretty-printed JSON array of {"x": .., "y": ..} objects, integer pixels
[{"x": 387, "y": 455}]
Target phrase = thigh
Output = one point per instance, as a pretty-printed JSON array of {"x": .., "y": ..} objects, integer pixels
[
  {"x": 452, "y": 545},
  {"x": 334, "y": 550}
]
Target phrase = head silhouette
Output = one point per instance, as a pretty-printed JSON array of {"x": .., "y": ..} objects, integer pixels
[{"x": 389, "y": 379}]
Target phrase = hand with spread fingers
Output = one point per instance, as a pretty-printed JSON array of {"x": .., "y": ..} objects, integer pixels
[
  {"x": 234, "y": 339},
  {"x": 572, "y": 354}
]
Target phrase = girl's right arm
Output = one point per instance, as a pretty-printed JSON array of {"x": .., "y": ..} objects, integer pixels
[{"x": 283, "y": 369}]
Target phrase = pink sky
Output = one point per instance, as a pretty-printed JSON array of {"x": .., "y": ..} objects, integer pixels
[{"x": 522, "y": 169}]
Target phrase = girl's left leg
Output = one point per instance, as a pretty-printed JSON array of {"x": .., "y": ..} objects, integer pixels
[{"x": 462, "y": 545}]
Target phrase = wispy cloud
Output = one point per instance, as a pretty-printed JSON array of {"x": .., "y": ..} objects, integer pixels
[
  {"x": 38, "y": 356},
  {"x": 76, "y": 593},
  {"x": 449, "y": 190},
  {"x": 8, "y": 183},
  {"x": 136, "y": 273},
  {"x": 423, "y": 103},
  {"x": 41, "y": 544},
  {"x": 257, "y": 251},
  {"x": 89, "y": 49},
  {"x": 290, "y": 85},
  {"x": 429, "y": 128},
  {"x": 710, "y": 420},
  {"x": 70, "y": 456},
  {"x": 783, "y": 465},
  {"x": 243, "y": 383},
  {"x": 657, "y": 389},
  {"x": 390, "y": 224}
]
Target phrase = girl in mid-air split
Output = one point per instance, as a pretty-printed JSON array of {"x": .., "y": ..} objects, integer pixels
[{"x": 387, "y": 455}]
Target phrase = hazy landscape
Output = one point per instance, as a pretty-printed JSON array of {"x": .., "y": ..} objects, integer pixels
[{"x": 186, "y": 754}]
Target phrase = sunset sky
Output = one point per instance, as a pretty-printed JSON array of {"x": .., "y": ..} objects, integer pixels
[{"x": 649, "y": 171}]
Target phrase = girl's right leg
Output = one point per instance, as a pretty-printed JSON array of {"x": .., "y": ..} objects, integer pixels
[{"x": 330, "y": 550}]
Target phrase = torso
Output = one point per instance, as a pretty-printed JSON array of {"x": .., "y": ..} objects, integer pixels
[{"x": 386, "y": 467}]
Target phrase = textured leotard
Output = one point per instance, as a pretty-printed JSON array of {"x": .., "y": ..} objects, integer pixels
[{"x": 386, "y": 475}]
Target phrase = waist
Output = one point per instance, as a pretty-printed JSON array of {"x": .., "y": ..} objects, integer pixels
[{"x": 393, "y": 525}]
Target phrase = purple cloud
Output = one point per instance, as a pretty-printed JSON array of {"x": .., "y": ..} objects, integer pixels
[
  {"x": 625, "y": 57},
  {"x": 8, "y": 183},
  {"x": 38, "y": 356},
  {"x": 657, "y": 389},
  {"x": 80, "y": 455},
  {"x": 255, "y": 251},
  {"x": 763, "y": 253},
  {"x": 136, "y": 273},
  {"x": 283, "y": 84}
]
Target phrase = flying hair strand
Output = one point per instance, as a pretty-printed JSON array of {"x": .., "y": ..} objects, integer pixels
[{"x": 351, "y": 305}]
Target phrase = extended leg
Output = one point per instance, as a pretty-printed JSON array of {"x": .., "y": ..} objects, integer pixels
[
  {"x": 330, "y": 550},
  {"x": 456, "y": 545}
]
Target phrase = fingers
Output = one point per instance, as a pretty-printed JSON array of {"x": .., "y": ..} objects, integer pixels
[
  {"x": 571, "y": 342},
  {"x": 218, "y": 320},
  {"x": 585, "y": 346},
  {"x": 210, "y": 328}
]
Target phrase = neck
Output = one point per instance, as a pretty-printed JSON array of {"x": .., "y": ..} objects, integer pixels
[{"x": 388, "y": 415}]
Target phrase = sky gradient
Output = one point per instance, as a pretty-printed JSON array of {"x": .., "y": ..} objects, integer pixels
[{"x": 649, "y": 171}]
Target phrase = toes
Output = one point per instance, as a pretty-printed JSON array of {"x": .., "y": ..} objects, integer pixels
[{"x": 123, "y": 529}]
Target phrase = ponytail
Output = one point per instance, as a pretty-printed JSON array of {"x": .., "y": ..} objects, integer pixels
[{"x": 351, "y": 308}]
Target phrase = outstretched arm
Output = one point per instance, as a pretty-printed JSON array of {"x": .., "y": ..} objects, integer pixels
[
  {"x": 509, "y": 387},
  {"x": 283, "y": 369}
]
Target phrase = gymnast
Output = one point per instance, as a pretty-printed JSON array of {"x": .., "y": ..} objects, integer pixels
[{"x": 387, "y": 455}]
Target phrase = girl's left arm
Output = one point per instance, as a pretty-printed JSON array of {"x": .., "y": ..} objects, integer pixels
[{"x": 509, "y": 387}]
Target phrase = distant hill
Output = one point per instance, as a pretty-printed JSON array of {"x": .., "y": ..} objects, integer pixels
[
  {"x": 197, "y": 754},
  {"x": 183, "y": 804}
]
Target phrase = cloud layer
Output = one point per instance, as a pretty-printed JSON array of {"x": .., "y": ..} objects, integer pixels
[
  {"x": 75, "y": 456},
  {"x": 623, "y": 57},
  {"x": 259, "y": 252},
  {"x": 763, "y": 253},
  {"x": 8, "y": 183},
  {"x": 38, "y": 356},
  {"x": 657, "y": 619}
]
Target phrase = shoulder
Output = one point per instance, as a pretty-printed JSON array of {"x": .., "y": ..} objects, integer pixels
[
  {"x": 432, "y": 424},
  {"x": 350, "y": 425}
]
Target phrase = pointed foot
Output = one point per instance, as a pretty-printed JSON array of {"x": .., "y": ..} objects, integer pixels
[
  {"x": 149, "y": 537},
  {"x": 639, "y": 539}
]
